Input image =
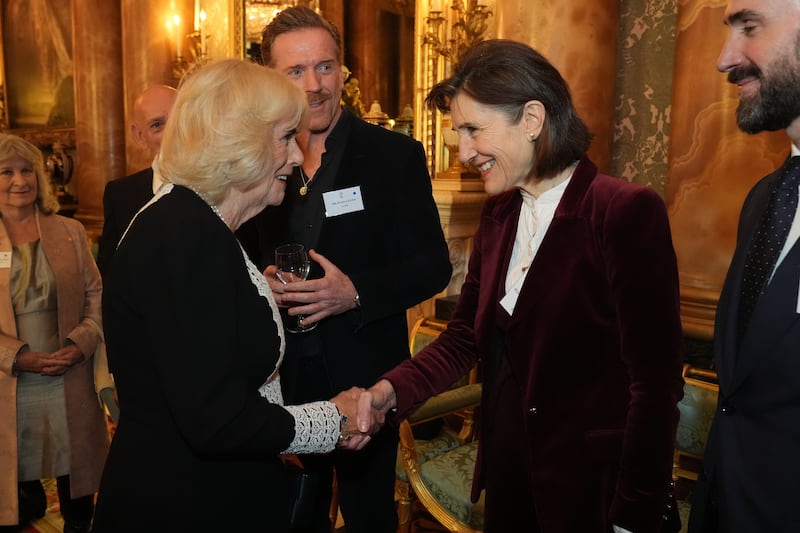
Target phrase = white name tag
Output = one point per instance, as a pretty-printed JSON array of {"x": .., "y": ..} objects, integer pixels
[
  {"x": 5, "y": 259},
  {"x": 343, "y": 201}
]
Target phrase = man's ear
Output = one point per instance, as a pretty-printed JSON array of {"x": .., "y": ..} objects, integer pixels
[{"x": 137, "y": 135}]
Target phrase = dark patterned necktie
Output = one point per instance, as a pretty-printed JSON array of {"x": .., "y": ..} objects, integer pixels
[{"x": 769, "y": 240}]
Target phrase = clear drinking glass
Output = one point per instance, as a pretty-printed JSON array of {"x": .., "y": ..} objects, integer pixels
[{"x": 293, "y": 264}]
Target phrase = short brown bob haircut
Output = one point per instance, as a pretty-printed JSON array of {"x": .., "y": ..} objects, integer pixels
[{"x": 506, "y": 75}]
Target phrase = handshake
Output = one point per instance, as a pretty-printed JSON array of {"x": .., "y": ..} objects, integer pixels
[{"x": 363, "y": 413}]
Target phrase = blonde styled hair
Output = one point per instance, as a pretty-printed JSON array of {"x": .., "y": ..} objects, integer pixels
[
  {"x": 220, "y": 131},
  {"x": 12, "y": 145}
]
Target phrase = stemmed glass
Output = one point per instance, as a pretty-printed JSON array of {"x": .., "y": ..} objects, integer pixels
[{"x": 293, "y": 264}]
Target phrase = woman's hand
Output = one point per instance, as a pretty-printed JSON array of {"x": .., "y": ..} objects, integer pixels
[
  {"x": 376, "y": 402},
  {"x": 271, "y": 273},
  {"x": 49, "y": 364},
  {"x": 353, "y": 437}
]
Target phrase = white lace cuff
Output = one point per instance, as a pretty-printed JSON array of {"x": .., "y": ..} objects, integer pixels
[{"x": 316, "y": 427}]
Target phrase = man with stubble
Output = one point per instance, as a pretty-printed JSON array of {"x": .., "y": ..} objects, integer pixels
[{"x": 361, "y": 203}]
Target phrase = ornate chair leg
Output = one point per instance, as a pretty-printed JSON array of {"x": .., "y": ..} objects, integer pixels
[
  {"x": 403, "y": 506},
  {"x": 333, "y": 514}
]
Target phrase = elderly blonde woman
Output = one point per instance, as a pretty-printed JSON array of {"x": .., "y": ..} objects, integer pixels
[
  {"x": 193, "y": 334},
  {"x": 51, "y": 424}
]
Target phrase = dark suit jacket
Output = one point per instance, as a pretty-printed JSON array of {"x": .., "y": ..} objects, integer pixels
[
  {"x": 594, "y": 343},
  {"x": 394, "y": 252},
  {"x": 752, "y": 462},
  {"x": 122, "y": 198},
  {"x": 196, "y": 448}
]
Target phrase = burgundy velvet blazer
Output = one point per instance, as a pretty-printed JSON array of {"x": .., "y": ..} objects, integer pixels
[{"x": 594, "y": 341}]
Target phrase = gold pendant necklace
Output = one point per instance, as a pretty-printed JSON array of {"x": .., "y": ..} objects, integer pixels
[{"x": 306, "y": 180}]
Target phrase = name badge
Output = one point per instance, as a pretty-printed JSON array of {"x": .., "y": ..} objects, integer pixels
[
  {"x": 5, "y": 259},
  {"x": 343, "y": 201}
]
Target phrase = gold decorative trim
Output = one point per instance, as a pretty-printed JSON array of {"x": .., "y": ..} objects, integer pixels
[{"x": 237, "y": 27}]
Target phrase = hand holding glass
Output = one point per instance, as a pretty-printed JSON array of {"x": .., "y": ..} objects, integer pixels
[{"x": 293, "y": 264}]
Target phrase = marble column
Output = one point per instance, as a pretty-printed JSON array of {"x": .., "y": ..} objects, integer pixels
[
  {"x": 712, "y": 164},
  {"x": 99, "y": 124},
  {"x": 361, "y": 56},
  {"x": 333, "y": 11},
  {"x": 580, "y": 39},
  {"x": 148, "y": 57}
]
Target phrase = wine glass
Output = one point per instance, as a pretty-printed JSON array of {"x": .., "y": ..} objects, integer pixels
[{"x": 293, "y": 264}]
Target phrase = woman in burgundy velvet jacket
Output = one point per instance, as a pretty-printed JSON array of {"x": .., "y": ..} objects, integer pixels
[{"x": 571, "y": 307}]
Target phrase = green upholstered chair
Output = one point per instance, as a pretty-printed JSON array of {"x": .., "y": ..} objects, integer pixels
[
  {"x": 438, "y": 469},
  {"x": 697, "y": 410}
]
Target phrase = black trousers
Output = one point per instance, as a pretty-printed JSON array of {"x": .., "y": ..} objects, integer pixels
[
  {"x": 365, "y": 479},
  {"x": 33, "y": 502}
]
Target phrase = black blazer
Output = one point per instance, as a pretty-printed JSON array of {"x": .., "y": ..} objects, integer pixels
[
  {"x": 122, "y": 198},
  {"x": 752, "y": 462},
  {"x": 394, "y": 252},
  {"x": 188, "y": 354}
]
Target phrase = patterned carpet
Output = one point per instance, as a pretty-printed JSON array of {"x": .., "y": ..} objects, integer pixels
[
  {"x": 51, "y": 522},
  {"x": 421, "y": 521}
]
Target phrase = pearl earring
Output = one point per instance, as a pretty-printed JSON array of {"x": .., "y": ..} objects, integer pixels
[{"x": 531, "y": 136}]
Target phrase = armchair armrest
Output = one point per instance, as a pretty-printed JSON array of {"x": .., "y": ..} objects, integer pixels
[
  {"x": 447, "y": 402},
  {"x": 110, "y": 401}
]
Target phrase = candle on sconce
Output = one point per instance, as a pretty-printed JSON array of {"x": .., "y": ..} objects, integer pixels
[
  {"x": 436, "y": 5},
  {"x": 170, "y": 33},
  {"x": 177, "y": 21},
  {"x": 203, "y": 32},
  {"x": 197, "y": 16}
]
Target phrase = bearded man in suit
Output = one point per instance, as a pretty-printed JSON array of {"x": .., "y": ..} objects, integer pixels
[{"x": 751, "y": 477}]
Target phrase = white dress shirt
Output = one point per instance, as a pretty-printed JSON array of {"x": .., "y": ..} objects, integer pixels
[{"x": 535, "y": 217}]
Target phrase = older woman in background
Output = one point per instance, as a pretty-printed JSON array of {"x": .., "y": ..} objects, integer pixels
[
  {"x": 51, "y": 424},
  {"x": 571, "y": 305},
  {"x": 194, "y": 336}
]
